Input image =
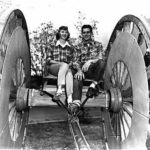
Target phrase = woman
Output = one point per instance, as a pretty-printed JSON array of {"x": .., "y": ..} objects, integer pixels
[{"x": 59, "y": 60}]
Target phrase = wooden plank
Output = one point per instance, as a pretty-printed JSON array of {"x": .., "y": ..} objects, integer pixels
[{"x": 45, "y": 114}]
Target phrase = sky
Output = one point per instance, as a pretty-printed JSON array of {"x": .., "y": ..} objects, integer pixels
[{"x": 65, "y": 12}]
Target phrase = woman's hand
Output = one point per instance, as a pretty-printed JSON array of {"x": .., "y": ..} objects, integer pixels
[{"x": 79, "y": 75}]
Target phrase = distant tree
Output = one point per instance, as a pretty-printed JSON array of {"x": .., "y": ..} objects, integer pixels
[
  {"x": 81, "y": 20},
  {"x": 41, "y": 39}
]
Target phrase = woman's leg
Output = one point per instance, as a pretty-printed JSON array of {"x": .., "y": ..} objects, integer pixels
[
  {"x": 69, "y": 86},
  {"x": 59, "y": 69}
]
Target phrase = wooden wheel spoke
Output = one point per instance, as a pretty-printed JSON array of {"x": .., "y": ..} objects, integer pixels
[
  {"x": 127, "y": 87},
  {"x": 11, "y": 106},
  {"x": 140, "y": 39},
  {"x": 19, "y": 69},
  {"x": 115, "y": 75},
  {"x": 112, "y": 116},
  {"x": 20, "y": 72},
  {"x": 127, "y": 108},
  {"x": 114, "y": 123},
  {"x": 148, "y": 72},
  {"x": 113, "y": 80},
  {"x": 124, "y": 76},
  {"x": 122, "y": 68},
  {"x": 12, "y": 116},
  {"x": 127, "y": 119},
  {"x": 122, "y": 126},
  {"x": 118, "y": 127},
  {"x": 14, "y": 77},
  {"x": 14, "y": 120},
  {"x": 16, "y": 125},
  {"x": 127, "y": 27},
  {"x": 118, "y": 68},
  {"x": 112, "y": 119},
  {"x": 135, "y": 31},
  {"x": 142, "y": 43},
  {"x": 122, "y": 73}
]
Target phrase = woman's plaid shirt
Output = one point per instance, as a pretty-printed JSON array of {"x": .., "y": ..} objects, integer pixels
[{"x": 61, "y": 54}]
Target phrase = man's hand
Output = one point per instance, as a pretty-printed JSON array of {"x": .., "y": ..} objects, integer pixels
[
  {"x": 79, "y": 75},
  {"x": 85, "y": 67}
]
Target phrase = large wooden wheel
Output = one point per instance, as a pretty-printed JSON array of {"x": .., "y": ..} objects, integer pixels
[
  {"x": 15, "y": 73},
  {"x": 126, "y": 118}
]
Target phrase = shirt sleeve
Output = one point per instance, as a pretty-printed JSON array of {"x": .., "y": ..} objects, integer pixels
[
  {"x": 76, "y": 59},
  {"x": 70, "y": 53},
  {"x": 49, "y": 53},
  {"x": 99, "y": 48}
]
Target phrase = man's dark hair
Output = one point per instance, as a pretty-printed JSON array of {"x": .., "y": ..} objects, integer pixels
[
  {"x": 62, "y": 28},
  {"x": 87, "y": 26}
]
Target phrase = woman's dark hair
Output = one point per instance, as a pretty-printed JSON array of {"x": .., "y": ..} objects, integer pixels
[
  {"x": 87, "y": 26},
  {"x": 62, "y": 28}
]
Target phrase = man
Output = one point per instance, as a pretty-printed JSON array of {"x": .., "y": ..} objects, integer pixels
[{"x": 89, "y": 64}]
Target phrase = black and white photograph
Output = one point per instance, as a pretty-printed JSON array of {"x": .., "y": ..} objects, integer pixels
[{"x": 74, "y": 74}]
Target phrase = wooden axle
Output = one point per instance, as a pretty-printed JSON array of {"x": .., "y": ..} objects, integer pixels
[{"x": 107, "y": 99}]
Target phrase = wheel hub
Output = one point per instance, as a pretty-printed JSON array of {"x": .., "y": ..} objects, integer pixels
[
  {"x": 21, "y": 100},
  {"x": 115, "y": 100}
]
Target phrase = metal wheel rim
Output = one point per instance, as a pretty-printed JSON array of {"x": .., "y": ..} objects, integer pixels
[
  {"x": 15, "y": 116},
  {"x": 15, "y": 76},
  {"x": 116, "y": 57}
]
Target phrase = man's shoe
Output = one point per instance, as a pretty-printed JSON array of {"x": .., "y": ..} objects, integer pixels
[
  {"x": 93, "y": 89},
  {"x": 91, "y": 92}
]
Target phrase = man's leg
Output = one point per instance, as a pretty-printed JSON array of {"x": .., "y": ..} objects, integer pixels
[
  {"x": 77, "y": 94},
  {"x": 95, "y": 72}
]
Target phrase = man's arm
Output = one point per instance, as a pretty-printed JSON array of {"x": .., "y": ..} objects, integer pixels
[
  {"x": 77, "y": 65},
  {"x": 98, "y": 56}
]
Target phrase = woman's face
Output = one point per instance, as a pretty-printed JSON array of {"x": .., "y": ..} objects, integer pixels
[{"x": 63, "y": 34}]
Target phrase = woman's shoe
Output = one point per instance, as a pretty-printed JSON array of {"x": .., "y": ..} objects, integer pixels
[
  {"x": 73, "y": 107},
  {"x": 57, "y": 96}
]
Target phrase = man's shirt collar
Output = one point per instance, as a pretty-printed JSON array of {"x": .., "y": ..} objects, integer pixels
[
  {"x": 88, "y": 42},
  {"x": 66, "y": 44}
]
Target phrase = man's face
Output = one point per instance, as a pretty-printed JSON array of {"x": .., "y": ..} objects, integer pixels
[
  {"x": 63, "y": 34},
  {"x": 86, "y": 34}
]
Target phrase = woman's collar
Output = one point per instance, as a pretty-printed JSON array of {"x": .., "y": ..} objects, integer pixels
[{"x": 62, "y": 45}]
